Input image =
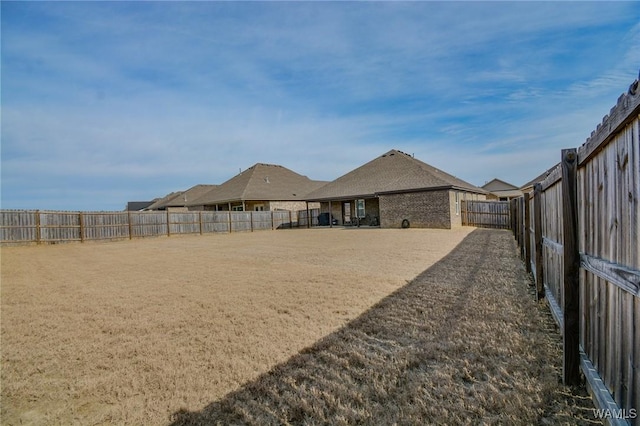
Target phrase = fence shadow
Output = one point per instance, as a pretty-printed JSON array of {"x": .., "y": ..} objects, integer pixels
[{"x": 456, "y": 345}]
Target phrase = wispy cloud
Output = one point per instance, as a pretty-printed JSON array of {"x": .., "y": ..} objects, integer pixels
[{"x": 105, "y": 102}]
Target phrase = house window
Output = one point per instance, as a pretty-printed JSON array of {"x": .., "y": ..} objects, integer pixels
[
  {"x": 360, "y": 209},
  {"x": 258, "y": 207},
  {"x": 237, "y": 208},
  {"x": 457, "y": 204}
]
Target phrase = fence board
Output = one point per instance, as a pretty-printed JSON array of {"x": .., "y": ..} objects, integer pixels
[
  {"x": 281, "y": 219},
  {"x": 486, "y": 214},
  {"x": 17, "y": 226},
  {"x": 105, "y": 226},
  {"x": 605, "y": 275},
  {"x": 184, "y": 222},
  {"x": 59, "y": 226},
  {"x": 148, "y": 224}
]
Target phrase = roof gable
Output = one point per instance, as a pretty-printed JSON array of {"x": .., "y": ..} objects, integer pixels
[
  {"x": 498, "y": 185},
  {"x": 393, "y": 171},
  {"x": 191, "y": 194},
  {"x": 261, "y": 182},
  {"x": 180, "y": 198}
]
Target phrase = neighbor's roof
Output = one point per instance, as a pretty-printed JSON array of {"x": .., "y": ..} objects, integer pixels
[
  {"x": 261, "y": 182},
  {"x": 539, "y": 178},
  {"x": 191, "y": 194},
  {"x": 158, "y": 203},
  {"x": 393, "y": 171},
  {"x": 498, "y": 185},
  {"x": 509, "y": 193},
  {"x": 137, "y": 205}
]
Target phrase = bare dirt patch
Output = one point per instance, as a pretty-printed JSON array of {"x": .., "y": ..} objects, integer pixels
[{"x": 134, "y": 331}]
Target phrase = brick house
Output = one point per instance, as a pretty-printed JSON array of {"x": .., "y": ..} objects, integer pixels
[
  {"x": 396, "y": 190},
  {"x": 261, "y": 187}
]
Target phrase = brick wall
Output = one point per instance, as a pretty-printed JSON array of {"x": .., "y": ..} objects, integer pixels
[
  {"x": 294, "y": 206},
  {"x": 429, "y": 209}
]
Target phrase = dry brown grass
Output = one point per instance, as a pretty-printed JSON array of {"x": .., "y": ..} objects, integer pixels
[
  {"x": 133, "y": 331},
  {"x": 464, "y": 343}
]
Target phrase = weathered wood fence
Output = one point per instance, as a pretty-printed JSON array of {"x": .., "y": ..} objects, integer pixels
[
  {"x": 34, "y": 226},
  {"x": 578, "y": 235},
  {"x": 486, "y": 214}
]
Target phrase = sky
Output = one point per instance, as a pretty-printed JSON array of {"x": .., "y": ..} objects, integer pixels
[{"x": 108, "y": 102}]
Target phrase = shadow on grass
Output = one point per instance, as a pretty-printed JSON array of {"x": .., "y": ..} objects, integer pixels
[{"x": 460, "y": 344}]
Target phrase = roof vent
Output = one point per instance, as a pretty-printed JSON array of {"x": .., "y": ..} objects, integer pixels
[{"x": 266, "y": 179}]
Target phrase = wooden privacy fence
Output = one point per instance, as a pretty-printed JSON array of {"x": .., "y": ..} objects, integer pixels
[
  {"x": 486, "y": 214},
  {"x": 34, "y": 226},
  {"x": 578, "y": 233}
]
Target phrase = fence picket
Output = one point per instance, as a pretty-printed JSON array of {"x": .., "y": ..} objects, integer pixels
[
  {"x": 486, "y": 214},
  {"x": 587, "y": 257},
  {"x": 19, "y": 226}
]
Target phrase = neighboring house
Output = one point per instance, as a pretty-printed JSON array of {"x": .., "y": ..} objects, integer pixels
[
  {"x": 158, "y": 203},
  {"x": 262, "y": 187},
  {"x": 177, "y": 201},
  {"x": 528, "y": 187},
  {"x": 136, "y": 206},
  {"x": 500, "y": 190},
  {"x": 396, "y": 189}
]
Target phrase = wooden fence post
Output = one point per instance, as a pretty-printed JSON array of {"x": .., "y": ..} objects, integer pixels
[
  {"x": 571, "y": 258},
  {"x": 512, "y": 210},
  {"x": 200, "y": 220},
  {"x": 521, "y": 226},
  {"x": 537, "y": 223},
  {"x": 251, "y": 219},
  {"x": 130, "y": 225},
  {"x": 290, "y": 220},
  {"x": 229, "y": 220},
  {"x": 527, "y": 232},
  {"x": 81, "y": 222},
  {"x": 465, "y": 212},
  {"x": 168, "y": 224},
  {"x": 272, "y": 221},
  {"x": 517, "y": 224},
  {"x": 38, "y": 230}
]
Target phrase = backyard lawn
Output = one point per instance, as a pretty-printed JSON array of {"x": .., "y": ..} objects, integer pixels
[{"x": 298, "y": 326}]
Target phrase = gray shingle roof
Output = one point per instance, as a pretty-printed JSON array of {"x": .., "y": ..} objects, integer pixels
[
  {"x": 181, "y": 198},
  {"x": 261, "y": 182},
  {"x": 393, "y": 171},
  {"x": 191, "y": 194},
  {"x": 160, "y": 202}
]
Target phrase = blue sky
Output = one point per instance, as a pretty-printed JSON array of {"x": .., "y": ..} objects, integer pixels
[{"x": 109, "y": 102}]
